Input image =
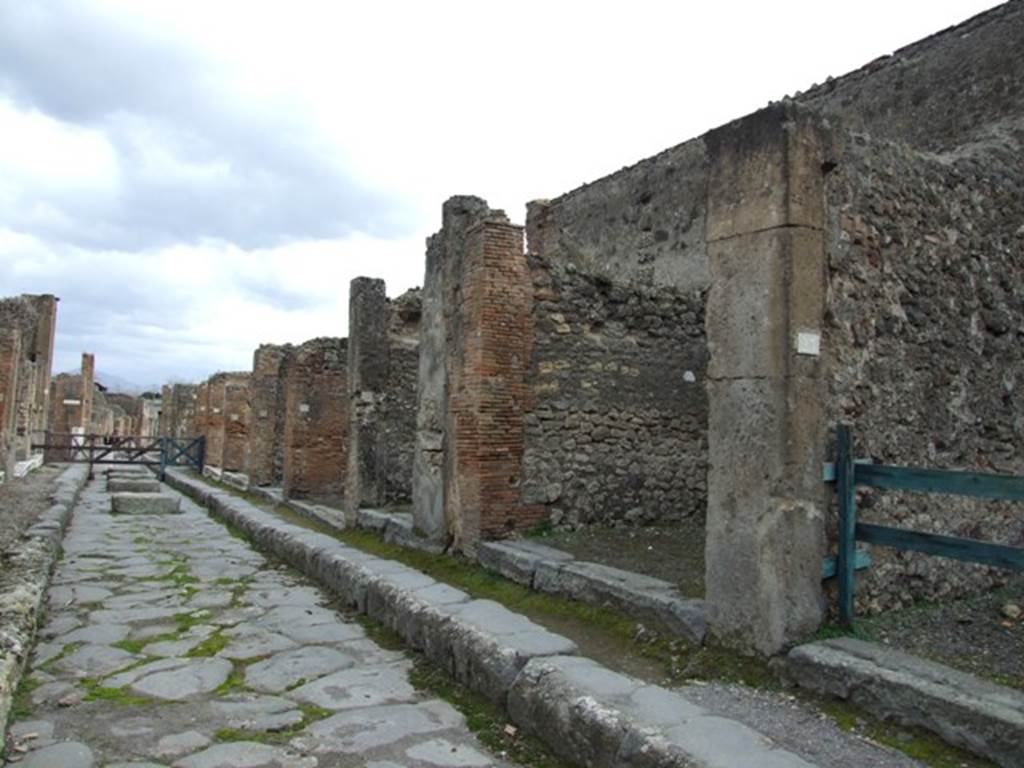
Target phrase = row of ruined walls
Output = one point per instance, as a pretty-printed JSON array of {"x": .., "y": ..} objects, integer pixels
[
  {"x": 27, "y": 328},
  {"x": 679, "y": 339},
  {"x": 301, "y": 421}
]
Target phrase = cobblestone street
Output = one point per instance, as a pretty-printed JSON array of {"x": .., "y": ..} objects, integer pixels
[{"x": 169, "y": 642}]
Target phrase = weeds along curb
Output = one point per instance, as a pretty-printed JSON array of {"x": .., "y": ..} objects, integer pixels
[
  {"x": 30, "y": 567},
  {"x": 583, "y": 711}
]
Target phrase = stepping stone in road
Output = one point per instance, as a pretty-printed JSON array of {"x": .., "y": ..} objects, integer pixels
[
  {"x": 145, "y": 504},
  {"x": 115, "y": 485}
]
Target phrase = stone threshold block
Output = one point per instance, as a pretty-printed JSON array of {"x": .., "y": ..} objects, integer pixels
[
  {"x": 133, "y": 485},
  {"x": 235, "y": 480},
  {"x": 596, "y": 717},
  {"x": 145, "y": 504},
  {"x": 964, "y": 710},
  {"x": 396, "y": 528},
  {"x": 546, "y": 569}
]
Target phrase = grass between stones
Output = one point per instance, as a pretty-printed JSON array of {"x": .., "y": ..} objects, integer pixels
[
  {"x": 614, "y": 639},
  {"x": 211, "y": 646},
  {"x": 310, "y": 714},
  {"x": 913, "y": 742}
]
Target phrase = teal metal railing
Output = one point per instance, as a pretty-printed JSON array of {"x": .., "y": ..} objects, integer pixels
[{"x": 849, "y": 474}]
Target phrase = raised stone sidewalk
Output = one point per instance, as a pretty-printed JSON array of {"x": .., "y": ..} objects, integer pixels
[
  {"x": 27, "y": 575},
  {"x": 171, "y": 642},
  {"x": 983, "y": 717}
]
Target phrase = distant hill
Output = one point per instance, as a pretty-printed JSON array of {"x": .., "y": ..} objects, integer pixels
[{"x": 117, "y": 384}]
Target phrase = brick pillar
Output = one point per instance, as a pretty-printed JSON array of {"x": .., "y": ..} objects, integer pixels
[
  {"x": 368, "y": 364},
  {"x": 266, "y": 430},
  {"x": 766, "y": 432},
  {"x": 236, "y": 423},
  {"x": 440, "y": 336},
  {"x": 489, "y": 391},
  {"x": 316, "y": 421}
]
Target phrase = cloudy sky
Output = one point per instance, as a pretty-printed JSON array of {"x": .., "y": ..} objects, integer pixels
[{"x": 195, "y": 178}]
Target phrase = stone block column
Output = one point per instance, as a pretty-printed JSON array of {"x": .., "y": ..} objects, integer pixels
[
  {"x": 766, "y": 391},
  {"x": 88, "y": 389},
  {"x": 368, "y": 368}
]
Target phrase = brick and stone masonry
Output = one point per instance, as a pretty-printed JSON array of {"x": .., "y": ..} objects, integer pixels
[
  {"x": 383, "y": 358},
  {"x": 71, "y": 406},
  {"x": 226, "y": 419},
  {"x": 267, "y": 414},
  {"x": 475, "y": 341},
  {"x": 316, "y": 421},
  {"x": 27, "y": 327},
  {"x": 236, "y": 422}
]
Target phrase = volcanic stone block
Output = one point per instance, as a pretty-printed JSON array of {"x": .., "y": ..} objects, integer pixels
[
  {"x": 600, "y": 718},
  {"x": 145, "y": 504},
  {"x": 118, "y": 485},
  {"x": 986, "y": 718}
]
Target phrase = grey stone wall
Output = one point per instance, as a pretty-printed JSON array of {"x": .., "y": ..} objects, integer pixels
[
  {"x": 936, "y": 93},
  {"x": 617, "y": 430},
  {"x": 924, "y": 328}
]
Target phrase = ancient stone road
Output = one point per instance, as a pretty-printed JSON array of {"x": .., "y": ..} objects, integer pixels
[{"x": 170, "y": 643}]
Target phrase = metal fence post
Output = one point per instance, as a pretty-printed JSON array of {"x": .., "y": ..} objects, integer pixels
[{"x": 846, "y": 489}]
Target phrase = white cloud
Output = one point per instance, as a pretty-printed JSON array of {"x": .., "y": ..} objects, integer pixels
[{"x": 195, "y": 178}]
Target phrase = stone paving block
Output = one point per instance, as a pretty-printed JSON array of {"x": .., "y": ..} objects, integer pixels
[
  {"x": 359, "y": 687},
  {"x": 983, "y": 717},
  {"x": 115, "y": 485},
  {"x": 518, "y": 560},
  {"x": 194, "y": 677},
  {"x": 246, "y": 754},
  {"x": 600, "y": 718},
  {"x": 67, "y": 754},
  {"x": 359, "y": 731},
  {"x": 283, "y": 670},
  {"x": 144, "y": 504}
]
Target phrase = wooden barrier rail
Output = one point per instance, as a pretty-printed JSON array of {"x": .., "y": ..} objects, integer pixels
[{"x": 850, "y": 473}]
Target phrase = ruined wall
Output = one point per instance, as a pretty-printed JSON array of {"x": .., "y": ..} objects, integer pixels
[
  {"x": 383, "y": 358},
  {"x": 165, "y": 421},
  {"x": 10, "y": 356},
  {"x": 28, "y": 323},
  {"x": 316, "y": 421},
  {"x": 183, "y": 410},
  {"x": 925, "y": 323},
  {"x": 441, "y": 333},
  {"x": 214, "y": 421},
  {"x": 131, "y": 407},
  {"x": 475, "y": 336},
  {"x": 267, "y": 401},
  {"x": 200, "y": 415},
  {"x": 616, "y": 429},
  {"x": 978, "y": 66}
]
